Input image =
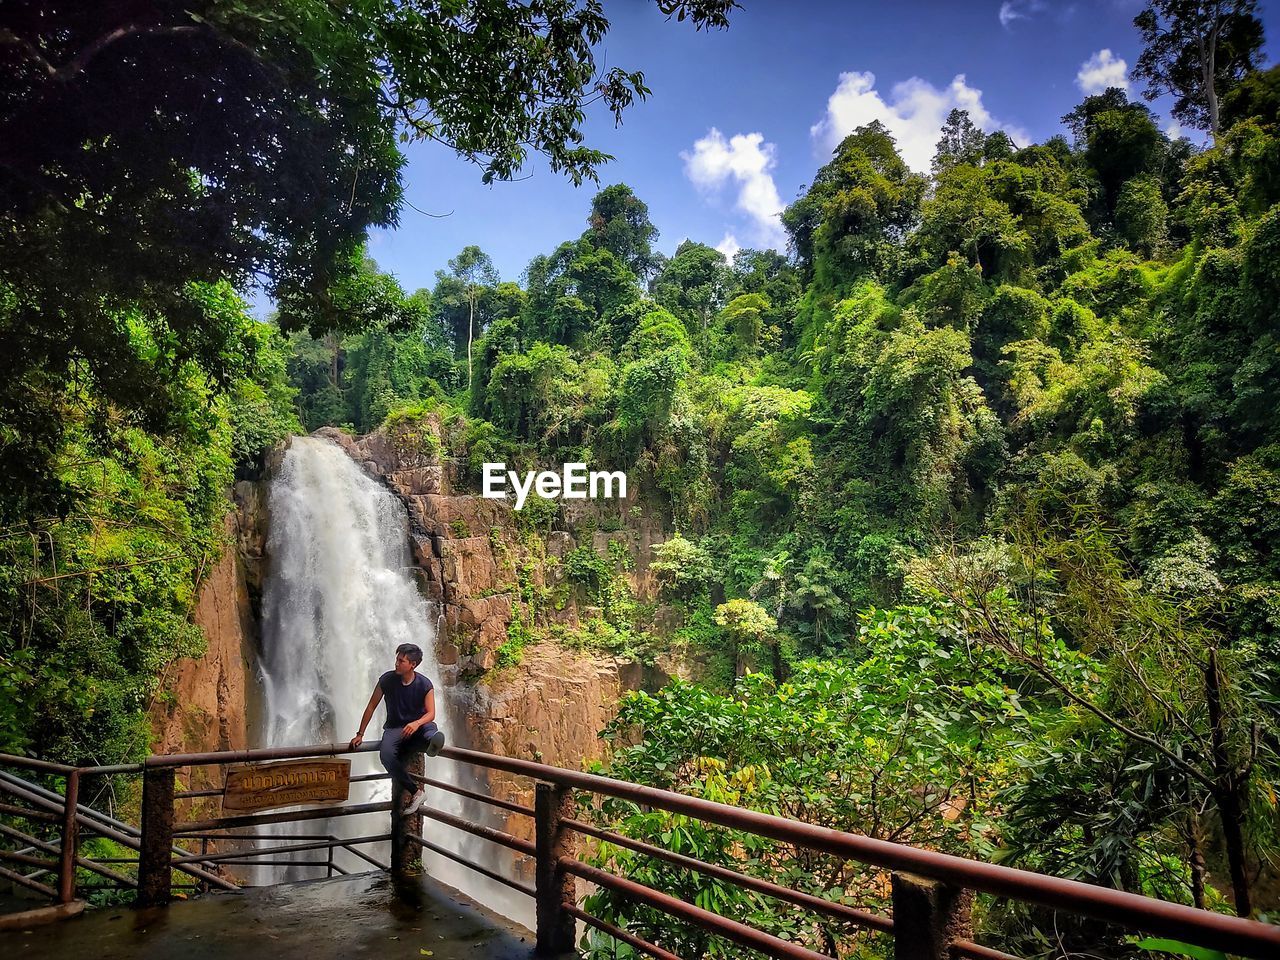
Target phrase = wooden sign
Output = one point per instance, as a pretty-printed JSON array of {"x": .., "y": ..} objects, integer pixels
[{"x": 265, "y": 786}]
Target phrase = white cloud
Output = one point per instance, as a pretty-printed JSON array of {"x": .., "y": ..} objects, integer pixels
[
  {"x": 1012, "y": 10},
  {"x": 913, "y": 113},
  {"x": 1103, "y": 69},
  {"x": 746, "y": 160},
  {"x": 1174, "y": 130},
  {"x": 729, "y": 246}
]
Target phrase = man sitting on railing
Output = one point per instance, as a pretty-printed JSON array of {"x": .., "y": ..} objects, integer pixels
[{"x": 410, "y": 724}]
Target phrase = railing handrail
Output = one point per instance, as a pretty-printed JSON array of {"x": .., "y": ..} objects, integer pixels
[
  {"x": 1131, "y": 910},
  {"x": 33, "y": 763}
]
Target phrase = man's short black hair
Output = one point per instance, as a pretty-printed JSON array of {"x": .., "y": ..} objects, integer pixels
[{"x": 411, "y": 651}]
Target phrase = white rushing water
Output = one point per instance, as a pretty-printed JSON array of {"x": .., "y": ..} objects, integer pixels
[{"x": 338, "y": 599}]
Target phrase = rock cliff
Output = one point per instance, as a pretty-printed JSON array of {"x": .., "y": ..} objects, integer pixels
[
  {"x": 205, "y": 702},
  {"x": 495, "y": 576}
]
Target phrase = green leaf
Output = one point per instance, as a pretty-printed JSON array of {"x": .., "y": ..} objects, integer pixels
[{"x": 1181, "y": 949}]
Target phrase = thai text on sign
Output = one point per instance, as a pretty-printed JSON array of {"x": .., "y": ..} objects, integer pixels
[{"x": 264, "y": 786}]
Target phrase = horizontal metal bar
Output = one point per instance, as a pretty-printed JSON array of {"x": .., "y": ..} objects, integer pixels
[
  {"x": 644, "y": 946},
  {"x": 110, "y": 769},
  {"x": 837, "y": 910},
  {"x": 281, "y": 863},
  {"x": 488, "y": 833},
  {"x": 1200, "y": 927},
  {"x": 260, "y": 753},
  {"x": 472, "y": 795},
  {"x": 193, "y": 794},
  {"x": 967, "y": 948},
  {"x": 738, "y": 933},
  {"x": 282, "y": 848},
  {"x": 14, "y": 811},
  {"x": 27, "y": 882},
  {"x": 257, "y": 836},
  {"x": 31, "y": 763},
  {"x": 257, "y": 819},
  {"x": 29, "y": 860},
  {"x": 339, "y": 841},
  {"x": 368, "y": 859},
  {"x": 483, "y": 871}
]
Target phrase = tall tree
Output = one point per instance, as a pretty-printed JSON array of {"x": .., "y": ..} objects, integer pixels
[
  {"x": 961, "y": 142},
  {"x": 474, "y": 271},
  {"x": 1120, "y": 140},
  {"x": 858, "y": 209},
  {"x": 692, "y": 284},
  {"x": 619, "y": 222},
  {"x": 1196, "y": 50}
]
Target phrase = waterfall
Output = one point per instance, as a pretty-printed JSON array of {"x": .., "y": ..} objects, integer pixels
[{"x": 339, "y": 597}]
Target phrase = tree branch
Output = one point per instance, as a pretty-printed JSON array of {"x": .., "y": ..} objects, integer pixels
[
  {"x": 1115, "y": 722},
  {"x": 77, "y": 64}
]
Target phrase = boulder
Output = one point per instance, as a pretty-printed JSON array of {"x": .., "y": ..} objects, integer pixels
[
  {"x": 417, "y": 481},
  {"x": 468, "y": 567}
]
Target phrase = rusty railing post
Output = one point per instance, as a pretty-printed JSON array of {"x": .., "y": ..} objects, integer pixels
[
  {"x": 554, "y": 887},
  {"x": 154, "y": 881},
  {"x": 928, "y": 916},
  {"x": 204, "y": 851},
  {"x": 70, "y": 839},
  {"x": 406, "y": 857}
]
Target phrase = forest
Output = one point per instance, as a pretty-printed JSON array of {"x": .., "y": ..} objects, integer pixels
[{"x": 975, "y": 489}]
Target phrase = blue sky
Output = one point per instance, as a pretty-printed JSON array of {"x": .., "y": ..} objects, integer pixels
[{"x": 740, "y": 120}]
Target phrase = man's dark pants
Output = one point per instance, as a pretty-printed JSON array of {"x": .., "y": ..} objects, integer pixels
[{"x": 396, "y": 748}]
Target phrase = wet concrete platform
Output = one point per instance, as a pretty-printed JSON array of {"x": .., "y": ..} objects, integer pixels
[{"x": 356, "y": 916}]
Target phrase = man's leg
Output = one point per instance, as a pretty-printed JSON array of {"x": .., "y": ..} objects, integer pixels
[
  {"x": 418, "y": 743},
  {"x": 391, "y": 753},
  {"x": 426, "y": 739},
  {"x": 432, "y": 740}
]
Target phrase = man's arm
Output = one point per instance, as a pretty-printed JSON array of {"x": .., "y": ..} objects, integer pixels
[
  {"x": 368, "y": 714},
  {"x": 428, "y": 714}
]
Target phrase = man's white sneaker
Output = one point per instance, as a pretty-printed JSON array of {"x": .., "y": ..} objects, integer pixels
[{"x": 416, "y": 802}]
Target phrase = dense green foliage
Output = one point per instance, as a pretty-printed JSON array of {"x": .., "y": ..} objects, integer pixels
[
  {"x": 1017, "y": 420},
  {"x": 157, "y": 159},
  {"x": 152, "y": 148},
  {"x": 976, "y": 494},
  {"x": 98, "y": 599}
]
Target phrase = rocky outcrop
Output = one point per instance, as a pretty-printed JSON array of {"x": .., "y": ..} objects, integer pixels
[
  {"x": 475, "y": 559},
  {"x": 550, "y": 709},
  {"x": 205, "y": 702},
  {"x": 485, "y": 568}
]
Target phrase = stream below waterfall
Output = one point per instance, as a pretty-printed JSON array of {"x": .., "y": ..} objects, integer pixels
[{"x": 339, "y": 596}]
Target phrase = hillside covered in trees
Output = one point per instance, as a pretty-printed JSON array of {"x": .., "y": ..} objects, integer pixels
[
  {"x": 976, "y": 488},
  {"x": 984, "y": 480}
]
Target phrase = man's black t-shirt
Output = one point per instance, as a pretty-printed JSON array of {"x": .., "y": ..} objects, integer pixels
[{"x": 404, "y": 701}]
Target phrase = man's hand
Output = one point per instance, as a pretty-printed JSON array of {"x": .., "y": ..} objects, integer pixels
[
  {"x": 411, "y": 728},
  {"x": 356, "y": 741}
]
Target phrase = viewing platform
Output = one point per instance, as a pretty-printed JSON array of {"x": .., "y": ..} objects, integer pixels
[
  {"x": 365, "y": 914},
  {"x": 397, "y": 910}
]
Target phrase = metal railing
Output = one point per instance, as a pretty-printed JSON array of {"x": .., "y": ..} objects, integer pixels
[{"x": 931, "y": 891}]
